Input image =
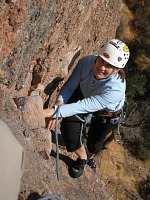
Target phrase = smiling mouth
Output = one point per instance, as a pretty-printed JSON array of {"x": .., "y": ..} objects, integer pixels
[{"x": 102, "y": 72}]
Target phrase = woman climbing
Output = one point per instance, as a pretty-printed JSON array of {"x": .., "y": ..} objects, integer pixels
[{"x": 97, "y": 85}]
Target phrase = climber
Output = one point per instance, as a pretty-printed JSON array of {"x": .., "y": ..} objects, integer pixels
[{"x": 97, "y": 85}]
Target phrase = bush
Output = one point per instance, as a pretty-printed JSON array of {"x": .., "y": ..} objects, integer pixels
[
  {"x": 144, "y": 188},
  {"x": 137, "y": 137},
  {"x": 135, "y": 89},
  {"x": 145, "y": 147}
]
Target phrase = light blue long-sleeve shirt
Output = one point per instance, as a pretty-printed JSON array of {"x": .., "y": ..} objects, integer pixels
[{"x": 105, "y": 94}]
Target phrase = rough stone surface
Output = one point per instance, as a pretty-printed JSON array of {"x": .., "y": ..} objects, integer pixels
[
  {"x": 39, "y": 42},
  {"x": 33, "y": 119},
  {"x": 31, "y": 108}
]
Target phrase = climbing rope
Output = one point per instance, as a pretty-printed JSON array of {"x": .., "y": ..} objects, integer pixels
[
  {"x": 84, "y": 121},
  {"x": 82, "y": 125},
  {"x": 121, "y": 120},
  {"x": 51, "y": 196},
  {"x": 57, "y": 160},
  {"x": 118, "y": 135},
  {"x": 57, "y": 147}
]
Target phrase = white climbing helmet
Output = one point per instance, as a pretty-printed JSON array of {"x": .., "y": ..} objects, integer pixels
[{"x": 115, "y": 52}]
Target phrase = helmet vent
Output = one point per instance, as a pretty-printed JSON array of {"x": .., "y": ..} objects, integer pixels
[{"x": 119, "y": 59}]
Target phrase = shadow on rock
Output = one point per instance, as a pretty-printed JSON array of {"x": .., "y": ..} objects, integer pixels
[
  {"x": 67, "y": 160},
  {"x": 60, "y": 139},
  {"x": 33, "y": 196},
  {"x": 50, "y": 88}
]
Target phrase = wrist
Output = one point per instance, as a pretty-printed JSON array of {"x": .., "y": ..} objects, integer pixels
[
  {"x": 47, "y": 112},
  {"x": 55, "y": 109}
]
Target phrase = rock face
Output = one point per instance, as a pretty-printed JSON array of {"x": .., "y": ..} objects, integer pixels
[
  {"x": 39, "y": 43},
  {"x": 32, "y": 117}
]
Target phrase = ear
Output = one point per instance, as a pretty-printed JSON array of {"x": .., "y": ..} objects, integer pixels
[{"x": 117, "y": 69}]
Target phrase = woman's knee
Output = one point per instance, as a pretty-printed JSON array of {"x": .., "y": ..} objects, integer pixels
[{"x": 72, "y": 147}]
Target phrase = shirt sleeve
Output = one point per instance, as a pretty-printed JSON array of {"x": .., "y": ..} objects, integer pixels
[
  {"x": 92, "y": 104},
  {"x": 72, "y": 83}
]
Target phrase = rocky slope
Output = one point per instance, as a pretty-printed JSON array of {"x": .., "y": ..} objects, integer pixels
[{"x": 37, "y": 43}]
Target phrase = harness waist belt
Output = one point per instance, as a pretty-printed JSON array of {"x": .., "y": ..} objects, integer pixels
[{"x": 103, "y": 113}]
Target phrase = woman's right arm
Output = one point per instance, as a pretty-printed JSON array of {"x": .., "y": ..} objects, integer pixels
[
  {"x": 48, "y": 114},
  {"x": 72, "y": 83},
  {"x": 65, "y": 93}
]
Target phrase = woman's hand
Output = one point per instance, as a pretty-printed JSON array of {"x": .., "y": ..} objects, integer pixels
[
  {"x": 49, "y": 120},
  {"x": 49, "y": 123},
  {"x": 48, "y": 112}
]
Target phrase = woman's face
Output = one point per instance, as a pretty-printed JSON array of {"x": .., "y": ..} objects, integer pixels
[{"x": 103, "y": 69}]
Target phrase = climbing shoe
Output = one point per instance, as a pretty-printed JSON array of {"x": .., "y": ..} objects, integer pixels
[
  {"x": 91, "y": 162},
  {"x": 78, "y": 168}
]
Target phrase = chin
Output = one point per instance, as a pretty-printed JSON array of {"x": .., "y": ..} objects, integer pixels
[{"x": 99, "y": 76}]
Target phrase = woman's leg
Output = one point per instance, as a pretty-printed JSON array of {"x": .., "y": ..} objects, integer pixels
[
  {"x": 81, "y": 153},
  {"x": 97, "y": 134},
  {"x": 96, "y": 137},
  {"x": 71, "y": 133},
  {"x": 70, "y": 130},
  {"x": 90, "y": 155}
]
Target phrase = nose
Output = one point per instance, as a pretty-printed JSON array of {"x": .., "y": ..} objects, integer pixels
[{"x": 102, "y": 67}]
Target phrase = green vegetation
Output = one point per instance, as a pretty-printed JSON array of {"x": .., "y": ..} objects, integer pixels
[
  {"x": 135, "y": 32},
  {"x": 135, "y": 89},
  {"x": 144, "y": 188},
  {"x": 144, "y": 148},
  {"x": 138, "y": 141},
  {"x": 137, "y": 37}
]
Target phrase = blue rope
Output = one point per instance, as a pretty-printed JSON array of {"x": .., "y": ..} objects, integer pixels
[
  {"x": 51, "y": 196},
  {"x": 56, "y": 138},
  {"x": 57, "y": 147},
  {"x": 82, "y": 125},
  {"x": 57, "y": 160},
  {"x": 82, "y": 120}
]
